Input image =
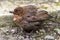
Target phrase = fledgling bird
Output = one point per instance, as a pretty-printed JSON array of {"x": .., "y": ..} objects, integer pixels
[
  {"x": 29, "y": 18},
  {"x": 22, "y": 15}
]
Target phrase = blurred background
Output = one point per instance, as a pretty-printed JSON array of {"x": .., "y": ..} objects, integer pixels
[{"x": 6, "y": 22}]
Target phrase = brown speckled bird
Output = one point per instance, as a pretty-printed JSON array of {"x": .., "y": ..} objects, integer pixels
[{"x": 29, "y": 18}]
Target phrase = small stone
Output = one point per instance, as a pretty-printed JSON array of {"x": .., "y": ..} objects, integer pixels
[
  {"x": 49, "y": 37},
  {"x": 13, "y": 30},
  {"x": 57, "y": 30}
]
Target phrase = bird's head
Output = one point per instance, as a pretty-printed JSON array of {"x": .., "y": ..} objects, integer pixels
[{"x": 18, "y": 12}]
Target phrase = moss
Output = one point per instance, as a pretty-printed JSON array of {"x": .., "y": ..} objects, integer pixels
[
  {"x": 57, "y": 3},
  {"x": 58, "y": 19},
  {"x": 44, "y": 7},
  {"x": 14, "y": 25}
]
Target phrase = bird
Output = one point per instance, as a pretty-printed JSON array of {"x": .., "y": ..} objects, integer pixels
[{"x": 29, "y": 18}]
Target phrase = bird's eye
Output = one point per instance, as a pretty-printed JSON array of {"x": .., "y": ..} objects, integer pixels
[
  {"x": 15, "y": 11},
  {"x": 28, "y": 16}
]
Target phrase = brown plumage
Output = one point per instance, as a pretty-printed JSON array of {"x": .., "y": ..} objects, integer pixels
[
  {"x": 29, "y": 18},
  {"x": 43, "y": 15}
]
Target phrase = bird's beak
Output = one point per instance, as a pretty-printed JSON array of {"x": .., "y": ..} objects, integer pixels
[{"x": 11, "y": 12}]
